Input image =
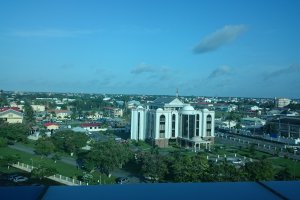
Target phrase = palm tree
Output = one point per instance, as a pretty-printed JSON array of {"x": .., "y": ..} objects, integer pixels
[{"x": 231, "y": 117}]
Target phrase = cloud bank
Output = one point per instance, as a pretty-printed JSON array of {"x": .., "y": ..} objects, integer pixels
[
  {"x": 221, "y": 71},
  {"x": 219, "y": 38},
  {"x": 142, "y": 68},
  {"x": 283, "y": 71}
]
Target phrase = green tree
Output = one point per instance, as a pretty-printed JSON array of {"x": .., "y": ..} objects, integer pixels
[
  {"x": 107, "y": 156},
  {"x": 232, "y": 117},
  {"x": 69, "y": 141},
  {"x": 43, "y": 171},
  {"x": 225, "y": 171},
  {"x": 8, "y": 160},
  {"x": 44, "y": 146},
  {"x": 189, "y": 168},
  {"x": 270, "y": 128},
  {"x": 284, "y": 175},
  {"x": 259, "y": 171},
  {"x": 153, "y": 166},
  {"x": 15, "y": 132},
  {"x": 28, "y": 114}
]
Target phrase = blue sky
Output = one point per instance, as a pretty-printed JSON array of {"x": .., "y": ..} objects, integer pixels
[{"x": 203, "y": 48}]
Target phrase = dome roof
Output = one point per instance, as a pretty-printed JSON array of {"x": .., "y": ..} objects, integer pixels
[
  {"x": 205, "y": 109},
  {"x": 159, "y": 109},
  {"x": 188, "y": 108},
  {"x": 140, "y": 107}
]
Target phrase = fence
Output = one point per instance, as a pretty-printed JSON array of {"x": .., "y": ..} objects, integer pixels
[{"x": 56, "y": 177}]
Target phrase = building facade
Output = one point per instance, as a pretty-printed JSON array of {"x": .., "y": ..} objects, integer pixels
[
  {"x": 282, "y": 102},
  {"x": 168, "y": 118},
  {"x": 11, "y": 115}
]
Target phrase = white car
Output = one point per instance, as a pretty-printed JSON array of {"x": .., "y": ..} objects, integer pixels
[{"x": 20, "y": 179}]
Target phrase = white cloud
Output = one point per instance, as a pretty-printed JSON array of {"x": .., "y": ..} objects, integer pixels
[{"x": 219, "y": 38}]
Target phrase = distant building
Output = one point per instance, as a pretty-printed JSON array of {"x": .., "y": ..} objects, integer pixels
[
  {"x": 11, "y": 115},
  {"x": 38, "y": 108},
  {"x": 169, "y": 118},
  {"x": 288, "y": 127},
  {"x": 51, "y": 126},
  {"x": 133, "y": 104},
  {"x": 282, "y": 102},
  {"x": 62, "y": 114},
  {"x": 252, "y": 122},
  {"x": 92, "y": 127}
]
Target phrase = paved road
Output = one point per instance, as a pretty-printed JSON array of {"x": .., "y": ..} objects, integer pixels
[
  {"x": 30, "y": 150},
  {"x": 72, "y": 161}
]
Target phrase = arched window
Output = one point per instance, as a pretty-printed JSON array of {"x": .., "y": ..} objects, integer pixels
[
  {"x": 173, "y": 124},
  {"x": 138, "y": 126},
  {"x": 162, "y": 126},
  {"x": 197, "y": 124},
  {"x": 208, "y": 125}
]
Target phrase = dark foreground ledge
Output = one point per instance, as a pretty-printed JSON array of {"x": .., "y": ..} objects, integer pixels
[{"x": 220, "y": 190}]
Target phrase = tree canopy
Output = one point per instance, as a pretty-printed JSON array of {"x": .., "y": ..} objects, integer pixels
[
  {"x": 107, "y": 156},
  {"x": 16, "y": 132},
  {"x": 43, "y": 171},
  {"x": 153, "y": 166},
  {"x": 44, "y": 146},
  {"x": 69, "y": 141},
  {"x": 28, "y": 113}
]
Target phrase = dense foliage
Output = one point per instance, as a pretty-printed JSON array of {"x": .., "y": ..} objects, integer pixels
[
  {"x": 69, "y": 141},
  {"x": 15, "y": 132},
  {"x": 107, "y": 156}
]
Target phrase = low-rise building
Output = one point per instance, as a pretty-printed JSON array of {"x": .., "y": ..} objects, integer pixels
[
  {"x": 288, "y": 127},
  {"x": 252, "y": 122},
  {"x": 92, "y": 127},
  {"x": 50, "y": 126},
  {"x": 11, "y": 115}
]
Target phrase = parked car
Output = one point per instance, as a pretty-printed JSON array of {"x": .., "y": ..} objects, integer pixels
[
  {"x": 122, "y": 180},
  {"x": 11, "y": 177},
  {"x": 20, "y": 179}
]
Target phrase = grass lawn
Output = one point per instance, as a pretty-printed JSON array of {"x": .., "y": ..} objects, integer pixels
[
  {"x": 290, "y": 164},
  {"x": 62, "y": 168}
]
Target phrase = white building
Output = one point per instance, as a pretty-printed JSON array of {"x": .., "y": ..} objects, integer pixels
[
  {"x": 168, "y": 118},
  {"x": 282, "y": 102}
]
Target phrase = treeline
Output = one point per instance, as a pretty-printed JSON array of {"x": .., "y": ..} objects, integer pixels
[{"x": 179, "y": 167}]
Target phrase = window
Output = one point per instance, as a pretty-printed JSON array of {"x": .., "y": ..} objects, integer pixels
[
  {"x": 208, "y": 125},
  {"x": 162, "y": 126},
  {"x": 191, "y": 126},
  {"x": 185, "y": 125},
  {"x": 138, "y": 126},
  {"x": 173, "y": 124},
  {"x": 197, "y": 124}
]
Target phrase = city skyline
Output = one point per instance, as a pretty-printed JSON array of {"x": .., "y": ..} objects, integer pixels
[{"x": 232, "y": 48}]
